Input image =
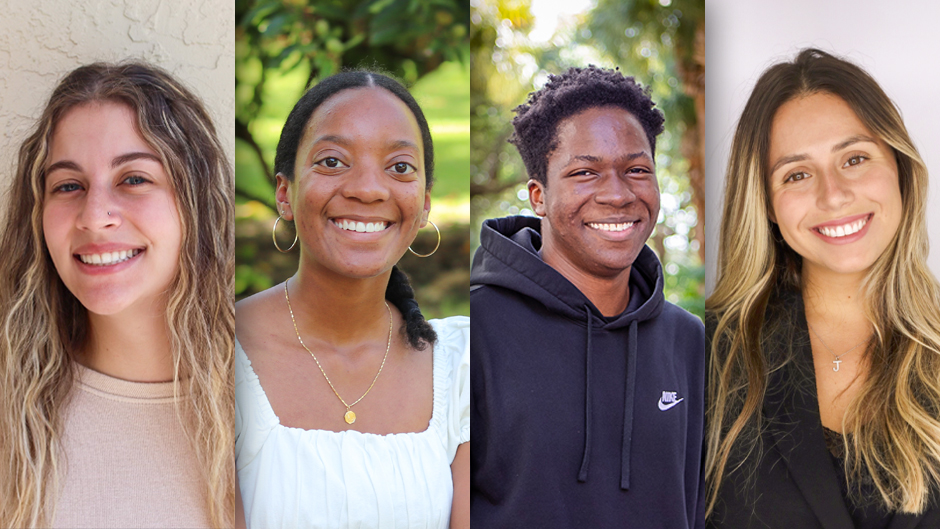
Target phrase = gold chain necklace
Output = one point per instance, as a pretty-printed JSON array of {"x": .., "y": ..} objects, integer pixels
[{"x": 350, "y": 416}]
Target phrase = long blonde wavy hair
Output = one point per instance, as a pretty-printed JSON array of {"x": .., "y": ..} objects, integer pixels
[
  {"x": 895, "y": 418},
  {"x": 42, "y": 325}
]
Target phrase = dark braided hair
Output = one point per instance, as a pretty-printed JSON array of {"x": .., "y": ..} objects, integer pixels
[
  {"x": 399, "y": 292},
  {"x": 576, "y": 90}
]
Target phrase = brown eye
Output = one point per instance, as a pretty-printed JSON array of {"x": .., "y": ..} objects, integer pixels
[
  {"x": 403, "y": 168},
  {"x": 796, "y": 177},
  {"x": 855, "y": 160},
  {"x": 331, "y": 162}
]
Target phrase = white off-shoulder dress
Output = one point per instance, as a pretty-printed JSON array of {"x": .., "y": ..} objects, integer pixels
[{"x": 294, "y": 478}]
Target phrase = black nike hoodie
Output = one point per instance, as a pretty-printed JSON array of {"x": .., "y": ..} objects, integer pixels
[{"x": 580, "y": 420}]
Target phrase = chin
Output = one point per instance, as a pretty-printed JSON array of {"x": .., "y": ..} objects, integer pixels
[
  {"x": 850, "y": 266},
  {"x": 110, "y": 302},
  {"x": 104, "y": 307},
  {"x": 364, "y": 270}
]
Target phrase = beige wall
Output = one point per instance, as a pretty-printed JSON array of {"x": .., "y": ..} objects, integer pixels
[{"x": 42, "y": 40}]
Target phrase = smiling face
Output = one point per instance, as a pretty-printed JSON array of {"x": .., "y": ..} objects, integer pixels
[
  {"x": 833, "y": 185},
  {"x": 358, "y": 197},
  {"x": 602, "y": 199},
  {"x": 110, "y": 220}
]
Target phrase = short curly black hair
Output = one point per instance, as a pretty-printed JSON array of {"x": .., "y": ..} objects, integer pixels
[{"x": 576, "y": 90}]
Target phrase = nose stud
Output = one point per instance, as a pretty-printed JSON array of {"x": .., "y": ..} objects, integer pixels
[{"x": 109, "y": 213}]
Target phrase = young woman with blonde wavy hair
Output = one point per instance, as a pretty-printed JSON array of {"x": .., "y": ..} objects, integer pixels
[
  {"x": 824, "y": 381},
  {"x": 116, "y": 315}
]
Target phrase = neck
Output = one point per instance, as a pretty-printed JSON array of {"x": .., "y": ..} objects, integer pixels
[
  {"x": 833, "y": 299},
  {"x": 133, "y": 345},
  {"x": 340, "y": 310},
  {"x": 609, "y": 293}
]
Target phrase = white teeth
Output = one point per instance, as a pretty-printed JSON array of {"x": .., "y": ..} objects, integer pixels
[
  {"x": 108, "y": 258},
  {"x": 844, "y": 230},
  {"x": 611, "y": 227},
  {"x": 360, "y": 227}
]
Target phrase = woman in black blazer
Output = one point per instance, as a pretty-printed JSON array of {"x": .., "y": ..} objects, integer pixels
[{"x": 824, "y": 380}]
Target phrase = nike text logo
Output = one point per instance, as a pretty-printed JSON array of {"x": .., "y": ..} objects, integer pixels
[{"x": 668, "y": 400}]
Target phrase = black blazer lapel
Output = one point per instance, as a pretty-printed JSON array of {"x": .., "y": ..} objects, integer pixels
[
  {"x": 792, "y": 411},
  {"x": 905, "y": 521},
  {"x": 796, "y": 428}
]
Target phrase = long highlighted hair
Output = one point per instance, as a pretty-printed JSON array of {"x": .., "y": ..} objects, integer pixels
[
  {"x": 42, "y": 325},
  {"x": 895, "y": 418}
]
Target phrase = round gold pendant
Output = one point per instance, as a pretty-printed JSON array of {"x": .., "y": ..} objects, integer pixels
[{"x": 350, "y": 416}]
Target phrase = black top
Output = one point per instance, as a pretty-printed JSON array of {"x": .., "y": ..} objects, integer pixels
[
  {"x": 792, "y": 481},
  {"x": 580, "y": 420},
  {"x": 865, "y": 506}
]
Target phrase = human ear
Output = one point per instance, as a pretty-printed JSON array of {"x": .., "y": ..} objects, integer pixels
[
  {"x": 427, "y": 209},
  {"x": 537, "y": 196},
  {"x": 282, "y": 197}
]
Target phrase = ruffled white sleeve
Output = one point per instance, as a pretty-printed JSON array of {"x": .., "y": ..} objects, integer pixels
[
  {"x": 453, "y": 335},
  {"x": 253, "y": 417}
]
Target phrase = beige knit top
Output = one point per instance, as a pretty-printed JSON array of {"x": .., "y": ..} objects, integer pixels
[{"x": 127, "y": 462}]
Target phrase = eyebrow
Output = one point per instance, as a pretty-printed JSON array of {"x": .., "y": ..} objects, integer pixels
[
  {"x": 595, "y": 159},
  {"x": 116, "y": 162},
  {"x": 333, "y": 138},
  {"x": 131, "y": 156},
  {"x": 346, "y": 142},
  {"x": 859, "y": 138},
  {"x": 403, "y": 144}
]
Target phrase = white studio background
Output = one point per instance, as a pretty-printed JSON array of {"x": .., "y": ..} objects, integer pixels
[
  {"x": 898, "y": 43},
  {"x": 42, "y": 40}
]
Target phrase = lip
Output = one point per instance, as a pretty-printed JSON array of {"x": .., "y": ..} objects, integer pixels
[
  {"x": 846, "y": 239},
  {"x": 843, "y": 221}
]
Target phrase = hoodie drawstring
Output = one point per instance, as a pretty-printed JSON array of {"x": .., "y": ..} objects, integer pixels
[
  {"x": 586, "y": 459},
  {"x": 628, "y": 408},
  {"x": 629, "y": 391}
]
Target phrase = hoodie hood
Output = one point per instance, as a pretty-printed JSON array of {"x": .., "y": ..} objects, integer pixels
[{"x": 508, "y": 258}]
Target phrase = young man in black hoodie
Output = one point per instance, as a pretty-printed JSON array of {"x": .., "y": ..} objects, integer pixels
[{"x": 587, "y": 386}]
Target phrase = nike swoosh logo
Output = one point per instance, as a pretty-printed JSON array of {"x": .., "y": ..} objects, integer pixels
[{"x": 663, "y": 406}]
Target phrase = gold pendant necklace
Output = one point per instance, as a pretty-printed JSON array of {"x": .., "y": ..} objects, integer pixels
[{"x": 349, "y": 416}]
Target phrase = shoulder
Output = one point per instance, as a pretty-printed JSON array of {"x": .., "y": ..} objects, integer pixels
[
  {"x": 254, "y": 418},
  {"x": 259, "y": 304},
  {"x": 452, "y": 378},
  {"x": 453, "y": 335},
  {"x": 680, "y": 320},
  {"x": 262, "y": 320},
  {"x": 485, "y": 293},
  {"x": 490, "y": 303}
]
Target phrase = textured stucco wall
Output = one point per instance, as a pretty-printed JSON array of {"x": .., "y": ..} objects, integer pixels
[{"x": 42, "y": 40}]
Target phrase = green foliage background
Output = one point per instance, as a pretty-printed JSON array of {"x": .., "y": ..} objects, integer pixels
[{"x": 283, "y": 48}]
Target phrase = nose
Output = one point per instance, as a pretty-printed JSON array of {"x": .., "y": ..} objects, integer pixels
[
  {"x": 99, "y": 210},
  {"x": 366, "y": 183},
  {"x": 834, "y": 190},
  {"x": 614, "y": 190}
]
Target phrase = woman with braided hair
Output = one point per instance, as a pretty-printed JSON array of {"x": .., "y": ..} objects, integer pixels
[{"x": 353, "y": 411}]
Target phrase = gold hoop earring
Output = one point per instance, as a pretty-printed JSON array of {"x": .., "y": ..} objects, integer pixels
[
  {"x": 438, "y": 245},
  {"x": 274, "y": 236}
]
